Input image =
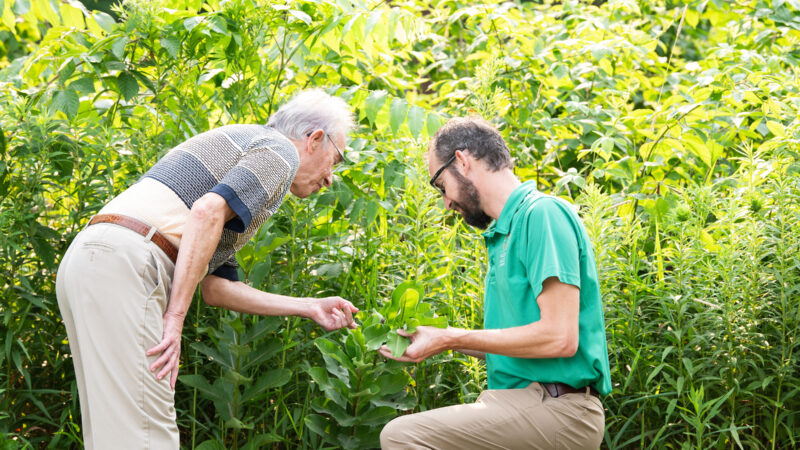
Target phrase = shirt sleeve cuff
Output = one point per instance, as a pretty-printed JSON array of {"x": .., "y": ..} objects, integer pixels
[
  {"x": 243, "y": 216},
  {"x": 228, "y": 272}
]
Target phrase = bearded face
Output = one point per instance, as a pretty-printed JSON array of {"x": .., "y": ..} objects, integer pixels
[{"x": 469, "y": 203}]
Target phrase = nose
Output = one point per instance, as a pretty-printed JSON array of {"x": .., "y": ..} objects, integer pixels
[
  {"x": 328, "y": 180},
  {"x": 448, "y": 204}
]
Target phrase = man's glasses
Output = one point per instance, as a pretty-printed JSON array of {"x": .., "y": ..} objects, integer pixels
[
  {"x": 341, "y": 155},
  {"x": 439, "y": 172}
]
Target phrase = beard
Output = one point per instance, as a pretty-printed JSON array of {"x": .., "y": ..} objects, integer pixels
[{"x": 469, "y": 205}]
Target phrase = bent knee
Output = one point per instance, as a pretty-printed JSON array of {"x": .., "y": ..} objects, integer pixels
[{"x": 396, "y": 433}]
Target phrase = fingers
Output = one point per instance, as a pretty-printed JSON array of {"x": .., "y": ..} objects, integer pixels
[{"x": 158, "y": 348}]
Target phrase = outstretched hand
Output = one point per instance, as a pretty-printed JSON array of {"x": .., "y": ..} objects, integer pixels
[
  {"x": 332, "y": 313},
  {"x": 425, "y": 342},
  {"x": 169, "y": 349}
]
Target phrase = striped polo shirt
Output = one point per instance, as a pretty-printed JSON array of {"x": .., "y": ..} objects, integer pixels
[{"x": 251, "y": 166}]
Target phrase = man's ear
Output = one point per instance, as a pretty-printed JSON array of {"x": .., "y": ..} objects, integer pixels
[
  {"x": 465, "y": 161},
  {"x": 316, "y": 140}
]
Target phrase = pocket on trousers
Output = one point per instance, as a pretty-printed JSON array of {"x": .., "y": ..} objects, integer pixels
[{"x": 155, "y": 303}]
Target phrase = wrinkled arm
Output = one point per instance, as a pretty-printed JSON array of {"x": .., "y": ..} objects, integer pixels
[
  {"x": 331, "y": 312},
  {"x": 555, "y": 335},
  {"x": 200, "y": 238}
]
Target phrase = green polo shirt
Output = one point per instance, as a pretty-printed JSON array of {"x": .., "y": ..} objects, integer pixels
[{"x": 538, "y": 236}]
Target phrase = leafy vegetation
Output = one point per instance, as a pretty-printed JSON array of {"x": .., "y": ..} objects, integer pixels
[{"x": 673, "y": 127}]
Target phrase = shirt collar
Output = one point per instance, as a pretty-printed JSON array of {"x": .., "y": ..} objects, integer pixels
[{"x": 503, "y": 223}]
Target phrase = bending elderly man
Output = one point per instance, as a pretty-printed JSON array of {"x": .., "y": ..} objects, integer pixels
[
  {"x": 127, "y": 280},
  {"x": 543, "y": 338}
]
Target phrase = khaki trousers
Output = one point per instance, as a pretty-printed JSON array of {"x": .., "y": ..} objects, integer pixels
[
  {"x": 112, "y": 288},
  {"x": 503, "y": 419}
]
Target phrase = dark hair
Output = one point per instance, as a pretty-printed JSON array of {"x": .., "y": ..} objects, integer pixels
[{"x": 474, "y": 135}]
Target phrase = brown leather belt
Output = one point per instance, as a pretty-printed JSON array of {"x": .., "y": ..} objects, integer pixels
[
  {"x": 558, "y": 389},
  {"x": 142, "y": 228}
]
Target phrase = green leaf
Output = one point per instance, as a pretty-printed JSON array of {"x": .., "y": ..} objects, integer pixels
[
  {"x": 397, "y": 344},
  {"x": 397, "y": 113},
  {"x": 118, "y": 47},
  {"x": 171, "y": 45},
  {"x": 300, "y": 15},
  {"x": 211, "y": 444},
  {"x": 392, "y": 383},
  {"x": 375, "y": 336},
  {"x": 271, "y": 379},
  {"x": 201, "y": 384},
  {"x": 67, "y": 102},
  {"x": 105, "y": 21},
  {"x": 85, "y": 85},
  {"x": 373, "y": 104},
  {"x": 127, "y": 85},
  {"x": 433, "y": 123},
  {"x": 416, "y": 119},
  {"x": 318, "y": 425}
]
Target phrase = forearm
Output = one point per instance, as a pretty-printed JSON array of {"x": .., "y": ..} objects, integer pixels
[
  {"x": 473, "y": 353},
  {"x": 240, "y": 297},
  {"x": 535, "y": 340}
]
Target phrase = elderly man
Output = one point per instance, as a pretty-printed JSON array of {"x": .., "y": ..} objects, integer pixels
[
  {"x": 127, "y": 280},
  {"x": 543, "y": 339}
]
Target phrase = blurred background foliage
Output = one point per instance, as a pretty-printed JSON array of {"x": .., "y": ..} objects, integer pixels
[{"x": 672, "y": 126}]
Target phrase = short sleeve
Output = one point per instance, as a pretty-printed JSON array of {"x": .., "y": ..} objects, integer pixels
[
  {"x": 228, "y": 270},
  {"x": 257, "y": 181},
  {"x": 552, "y": 249}
]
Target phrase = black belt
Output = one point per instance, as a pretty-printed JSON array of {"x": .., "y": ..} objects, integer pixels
[{"x": 558, "y": 389}]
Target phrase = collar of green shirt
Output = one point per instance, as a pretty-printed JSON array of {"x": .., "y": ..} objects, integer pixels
[{"x": 503, "y": 223}]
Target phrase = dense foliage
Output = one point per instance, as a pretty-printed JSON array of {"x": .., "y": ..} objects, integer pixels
[{"x": 673, "y": 127}]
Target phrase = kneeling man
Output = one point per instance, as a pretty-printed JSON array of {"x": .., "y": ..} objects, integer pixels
[{"x": 543, "y": 339}]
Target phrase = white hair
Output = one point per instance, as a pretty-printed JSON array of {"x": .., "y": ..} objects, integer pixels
[{"x": 311, "y": 110}]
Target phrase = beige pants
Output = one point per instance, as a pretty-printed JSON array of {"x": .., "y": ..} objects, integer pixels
[
  {"x": 112, "y": 288},
  {"x": 503, "y": 419}
]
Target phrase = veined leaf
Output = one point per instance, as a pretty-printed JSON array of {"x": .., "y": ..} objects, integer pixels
[
  {"x": 397, "y": 113},
  {"x": 373, "y": 104},
  {"x": 67, "y": 102},
  {"x": 127, "y": 85},
  {"x": 397, "y": 344}
]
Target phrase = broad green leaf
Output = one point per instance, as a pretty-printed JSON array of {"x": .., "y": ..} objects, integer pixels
[
  {"x": 211, "y": 444},
  {"x": 776, "y": 128},
  {"x": 318, "y": 424},
  {"x": 397, "y": 344},
  {"x": 85, "y": 85},
  {"x": 433, "y": 123},
  {"x": 127, "y": 85},
  {"x": 438, "y": 322},
  {"x": 397, "y": 113},
  {"x": 201, "y": 384},
  {"x": 171, "y": 45},
  {"x": 373, "y": 104},
  {"x": 67, "y": 102},
  {"x": 270, "y": 379},
  {"x": 300, "y": 15},
  {"x": 71, "y": 15},
  {"x": 416, "y": 120},
  {"x": 105, "y": 21},
  {"x": 118, "y": 46}
]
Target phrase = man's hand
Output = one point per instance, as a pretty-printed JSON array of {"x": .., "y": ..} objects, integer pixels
[
  {"x": 332, "y": 313},
  {"x": 169, "y": 348},
  {"x": 425, "y": 342}
]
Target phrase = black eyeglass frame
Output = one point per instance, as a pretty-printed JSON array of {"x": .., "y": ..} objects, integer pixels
[{"x": 441, "y": 169}]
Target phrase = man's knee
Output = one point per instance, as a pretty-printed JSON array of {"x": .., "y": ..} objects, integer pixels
[{"x": 397, "y": 432}]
